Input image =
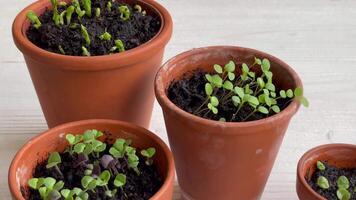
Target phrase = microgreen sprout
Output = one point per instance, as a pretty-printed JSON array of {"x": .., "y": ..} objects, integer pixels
[
  {"x": 75, "y": 193},
  {"x": 85, "y": 35},
  {"x": 109, "y": 6},
  {"x": 78, "y": 9},
  {"x": 48, "y": 188},
  {"x": 89, "y": 183},
  {"x": 69, "y": 12},
  {"x": 247, "y": 89},
  {"x": 73, "y": 140},
  {"x": 34, "y": 19},
  {"x": 343, "y": 194},
  {"x": 119, "y": 148},
  {"x": 343, "y": 185},
  {"x": 87, "y": 7},
  {"x": 132, "y": 158},
  {"x": 320, "y": 165},
  {"x": 323, "y": 183},
  {"x": 343, "y": 182},
  {"x": 85, "y": 51},
  {"x": 125, "y": 13},
  {"x": 138, "y": 8},
  {"x": 105, "y": 36},
  {"x": 103, "y": 181},
  {"x": 53, "y": 161},
  {"x": 97, "y": 12},
  {"x": 56, "y": 15},
  {"x": 148, "y": 154},
  {"x": 119, "y": 46},
  {"x": 120, "y": 181}
]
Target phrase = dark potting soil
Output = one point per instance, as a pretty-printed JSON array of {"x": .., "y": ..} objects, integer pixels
[
  {"x": 332, "y": 174},
  {"x": 138, "y": 29},
  {"x": 137, "y": 187},
  {"x": 188, "y": 94}
]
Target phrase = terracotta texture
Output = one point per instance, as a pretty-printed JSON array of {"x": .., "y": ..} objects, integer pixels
[
  {"x": 219, "y": 160},
  {"x": 118, "y": 86},
  {"x": 37, "y": 149},
  {"x": 339, "y": 155}
]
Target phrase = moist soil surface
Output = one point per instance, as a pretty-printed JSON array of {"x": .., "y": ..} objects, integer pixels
[
  {"x": 138, "y": 29},
  {"x": 137, "y": 187},
  {"x": 188, "y": 94},
  {"x": 332, "y": 174}
]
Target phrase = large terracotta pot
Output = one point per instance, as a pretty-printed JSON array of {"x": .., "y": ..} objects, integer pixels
[
  {"x": 118, "y": 86},
  {"x": 339, "y": 155},
  {"x": 37, "y": 149},
  {"x": 219, "y": 160}
]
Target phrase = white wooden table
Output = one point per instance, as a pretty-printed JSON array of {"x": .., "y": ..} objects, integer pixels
[{"x": 316, "y": 37}]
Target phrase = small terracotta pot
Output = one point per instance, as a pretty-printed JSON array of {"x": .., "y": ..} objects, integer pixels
[
  {"x": 38, "y": 148},
  {"x": 222, "y": 160},
  {"x": 118, "y": 86},
  {"x": 338, "y": 155}
]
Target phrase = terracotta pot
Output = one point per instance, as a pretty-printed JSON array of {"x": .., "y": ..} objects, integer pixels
[
  {"x": 223, "y": 160},
  {"x": 339, "y": 155},
  {"x": 38, "y": 148},
  {"x": 118, "y": 86}
]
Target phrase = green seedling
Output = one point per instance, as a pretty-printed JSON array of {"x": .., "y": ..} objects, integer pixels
[
  {"x": 148, "y": 154},
  {"x": 119, "y": 46},
  {"x": 320, "y": 165},
  {"x": 343, "y": 194},
  {"x": 69, "y": 13},
  {"x": 109, "y": 6},
  {"x": 74, "y": 194},
  {"x": 73, "y": 140},
  {"x": 343, "y": 182},
  {"x": 85, "y": 51},
  {"x": 89, "y": 183},
  {"x": 125, "y": 12},
  {"x": 120, "y": 182},
  {"x": 61, "y": 50},
  {"x": 248, "y": 89},
  {"x": 138, "y": 8},
  {"x": 97, "y": 12},
  {"x": 34, "y": 19},
  {"x": 87, "y": 7},
  {"x": 48, "y": 188},
  {"x": 56, "y": 16},
  {"x": 85, "y": 35},
  {"x": 78, "y": 9},
  {"x": 105, "y": 36},
  {"x": 103, "y": 181},
  {"x": 132, "y": 159},
  {"x": 53, "y": 161},
  {"x": 119, "y": 148},
  {"x": 323, "y": 183}
]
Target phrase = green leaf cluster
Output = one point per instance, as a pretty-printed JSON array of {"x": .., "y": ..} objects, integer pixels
[{"x": 245, "y": 87}]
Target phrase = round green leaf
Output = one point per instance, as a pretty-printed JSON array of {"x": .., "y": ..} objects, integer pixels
[
  {"x": 276, "y": 109},
  {"x": 322, "y": 182},
  {"x": 65, "y": 193},
  {"x": 208, "y": 89},
  {"x": 208, "y": 77},
  {"x": 215, "y": 110},
  {"x": 70, "y": 138},
  {"x": 270, "y": 87},
  {"x": 343, "y": 182},
  {"x": 240, "y": 92},
  {"x": 231, "y": 76},
  {"x": 304, "y": 102},
  {"x": 245, "y": 68},
  {"x": 260, "y": 82},
  {"x": 265, "y": 65},
  {"x": 298, "y": 92},
  {"x": 283, "y": 94},
  {"x": 320, "y": 165},
  {"x": 236, "y": 100},
  {"x": 230, "y": 67},
  {"x": 290, "y": 93},
  {"x": 79, "y": 148},
  {"x": 253, "y": 100},
  {"x": 32, "y": 183},
  {"x": 218, "y": 68},
  {"x": 210, "y": 106},
  {"x": 268, "y": 75},
  {"x": 214, "y": 101},
  {"x": 120, "y": 180},
  {"x": 49, "y": 182},
  {"x": 273, "y": 94},
  {"x": 217, "y": 81},
  {"x": 343, "y": 194},
  {"x": 262, "y": 109},
  {"x": 258, "y": 61},
  {"x": 228, "y": 85}
]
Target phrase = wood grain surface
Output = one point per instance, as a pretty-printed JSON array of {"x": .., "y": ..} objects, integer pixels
[{"x": 316, "y": 37}]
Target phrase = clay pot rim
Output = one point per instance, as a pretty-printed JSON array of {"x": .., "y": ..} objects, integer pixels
[
  {"x": 160, "y": 90},
  {"x": 127, "y": 58},
  {"x": 310, "y": 153},
  {"x": 12, "y": 180}
]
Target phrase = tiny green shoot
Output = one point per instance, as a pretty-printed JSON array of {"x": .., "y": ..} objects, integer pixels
[
  {"x": 323, "y": 183},
  {"x": 125, "y": 13},
  {"x": 119, "y": 46},
  {"x": 85, "y": 35},
  {"x": 343, "y": 182},
  {"x": 148, "y": 154},
  {"x": 53, "y": 161},
  {"x": 97, "y": 12},
  {"x": 34, "y": 19},
  {"x": 343, "y": 194},
  {"x": 69, "y": 13},
  {"x": 85, "y": 51},
  {"x": 109, "y": 6},
  {"x": 87, "y": 7},
  {"x": 320, "y": 165},
  {"x": 105, "y": 36}
]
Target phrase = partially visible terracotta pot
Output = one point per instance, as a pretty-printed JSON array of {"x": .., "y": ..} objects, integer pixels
[
  {"x": 37, "y": 149},
  {"x": 338, "y": 155},
  {"x": 223, "y": 160},
  {"x": 118, "y": 86}
]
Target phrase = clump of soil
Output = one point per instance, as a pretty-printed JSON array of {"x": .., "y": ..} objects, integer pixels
[
  {"x": 332, "y": 173},
  {"x": 188, "y": 93},
  {"x": 135, "y": 31},
  {"x": 138, "y": 186}
]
